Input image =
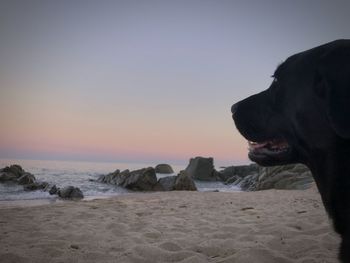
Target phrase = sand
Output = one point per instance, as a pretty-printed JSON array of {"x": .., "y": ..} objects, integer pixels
[{"x": 267, "y": 226}]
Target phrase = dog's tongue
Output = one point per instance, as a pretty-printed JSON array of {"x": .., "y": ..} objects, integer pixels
[
  {"x": 256, "y": 145},
  {"x": 272, "y": 144}
]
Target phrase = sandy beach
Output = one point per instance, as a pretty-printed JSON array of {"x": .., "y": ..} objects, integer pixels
[{"x": 267, "y": 226}]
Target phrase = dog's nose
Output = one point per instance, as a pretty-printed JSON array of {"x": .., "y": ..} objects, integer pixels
[{"x": 234, "y": 108}]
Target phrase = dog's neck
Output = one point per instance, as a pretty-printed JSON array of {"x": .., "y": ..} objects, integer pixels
[{"x": 331, "y": 170}]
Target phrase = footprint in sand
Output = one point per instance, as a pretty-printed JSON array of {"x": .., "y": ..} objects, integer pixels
[{"x": 170, "y": 246}]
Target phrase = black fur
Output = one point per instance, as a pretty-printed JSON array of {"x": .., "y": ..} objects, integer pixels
[{"x": 308, "y": 105}]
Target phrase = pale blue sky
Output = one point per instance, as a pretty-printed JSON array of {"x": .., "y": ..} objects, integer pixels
[{"x": 144, "y": 80}]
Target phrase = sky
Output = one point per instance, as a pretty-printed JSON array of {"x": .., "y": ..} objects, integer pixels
[{"x": 144, "y": 81}]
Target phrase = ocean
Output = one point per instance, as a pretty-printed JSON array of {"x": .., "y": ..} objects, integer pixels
[{"x": 78, "y": 174}]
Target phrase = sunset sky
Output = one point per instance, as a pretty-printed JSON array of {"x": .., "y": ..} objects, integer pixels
[{"x": 144, "y": 81}]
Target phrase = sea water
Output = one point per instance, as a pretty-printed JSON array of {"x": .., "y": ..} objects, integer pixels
[{"x": 82, "y": 175}]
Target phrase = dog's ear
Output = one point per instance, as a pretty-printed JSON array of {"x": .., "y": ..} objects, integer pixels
[{"x": 334, "y": 86}]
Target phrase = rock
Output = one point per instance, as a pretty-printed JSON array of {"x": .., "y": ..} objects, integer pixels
[
  {"x": 294, "y": 176},
  {"x": 70, "y": 192},
  {"x": 164, "y": 169},
  {"x": 36, "y": 186},
  {"x": 165, "y": 184},
  {"x": 238, "y": 171},
  {"x": 16, "y": 174},
  {"x": 254, "y": 178},
  {"x": 201, "y": 168},
  {"x": 233, "y": 180},
  {"x": 116, "y": 178},
  {"x": 111, "y": 179},
  {"x": 53, "y": 190},
  {"x": 11, "y": 173},
  {"x": 15, "y": 169},
  {"x": 108, "y": 178},
  {"x": 184, "y": 182},
  {"x": 143, "y": 179},
  {"x": 26, "y": 178},
  {"x": 7, "y": 177},
  {"x": 180, "y": 182},
  {"x": 249, "y": 182},
  {"x": 121, "y": 178}
]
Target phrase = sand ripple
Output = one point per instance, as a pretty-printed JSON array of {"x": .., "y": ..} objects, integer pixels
[{"x": 268, "y": 226}]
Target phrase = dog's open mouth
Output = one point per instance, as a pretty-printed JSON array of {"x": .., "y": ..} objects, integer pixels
[{"x": 266, "y": 152}]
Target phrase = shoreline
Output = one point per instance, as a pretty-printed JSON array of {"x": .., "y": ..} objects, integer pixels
[
  {"x": 54, "y": 200},
  {"x": 272, "y": 226}
]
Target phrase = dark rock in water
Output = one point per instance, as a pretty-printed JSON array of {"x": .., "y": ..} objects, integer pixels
[
  {"x": 36, "y": 186},
  {"x": 116, "y": 178},
  {"x": 53, "y": 190},
  {"x": 164, "y": 169},
  {"x": 15, "y": 169},
  {"x": 70, "y": 192},
  {"x": 143, "y": 179},
  {"x": 15, "y": 173},
  {"x": 121, "y": 178},
  {"x": 201, "y": 168},
  {"x": 7, "y": 177},
  {"x": 11, "y": 173},
  {"x": 165, "y": 184},
  {"x": 184, "y": 182},
  {"x": 108, "y": 178},
  {"x": 26, "y": 178}
]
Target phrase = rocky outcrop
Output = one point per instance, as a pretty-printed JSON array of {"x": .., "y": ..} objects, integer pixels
[
  {"x": 11, "y": 173},
  {"x": 184, "y": 182},
  {"x": 200, "y": 168},
  {"x": 165, "y": 184},
  {"x": 142, "y": 180},
  {"x": 238, "y": 172},
  {"x": 70, "y": 192},
  {"x": 115, "y": 178},
  {"x": 164, "y": 169},
  {"x": 26, "y": 178},
  {"x": 294, "y": 176},
  {"x": 14, "y": 170},
  {"x": 16, "y": 174},
  {"x": 36, "y": 186},
  {"x": 145, "y": 180},
  {"x": 53, "y": 190}
]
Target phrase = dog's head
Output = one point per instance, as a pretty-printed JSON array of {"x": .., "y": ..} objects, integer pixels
[{"x": 305, "y": 111}]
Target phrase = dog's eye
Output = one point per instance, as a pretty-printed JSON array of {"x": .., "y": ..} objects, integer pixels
[{"x": 274, "y": 91}]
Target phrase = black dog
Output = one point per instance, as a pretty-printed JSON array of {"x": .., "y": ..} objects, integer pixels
[{"x": 304, "y": 117}]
